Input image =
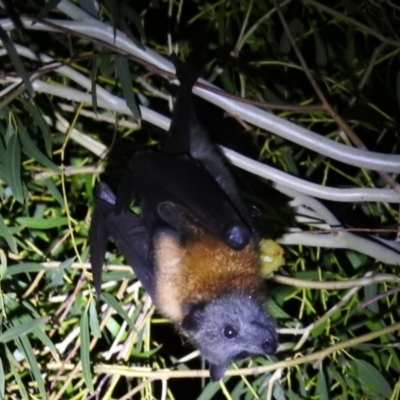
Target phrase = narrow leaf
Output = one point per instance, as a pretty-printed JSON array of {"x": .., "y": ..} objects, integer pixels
[
  {"x": 23, "y": 268},
  {"x": 371, "y": 379},
  {"x": 134, "y": 17},
  {"x": 125, "y": 28},
  {"x": 93, "y": 76},
  {"x": 31, "y": 149},
  {"x": 293, "y": 396},
  {"x": 109, "y": 276},
  {"x": 54, "y": 191},
  {"x": 35, "y": 112},
  {"x": 110, "y": 300},
  {"x": 370, "y": 292},
  {"x": 3, "y": 270},
  {"x": 350, "y": 53},
  {"x": 20, "y": 329},
  {"x": 39, "y": 332},
  {"x": 2, "y": 381},
  {"x": 296, "y": 29},
  {"x": 34, "y": 366},
  {"x": 209, "y": 391},
  {"x": 94, "y": 320},
  {"x": 145, "y": 354},
  {"x": 85, "y": 352},
  {"x": 45, "y": 9},
  {"x": 126, "y": 83},
  {"x": 3, "y": 177},
  {"x": 9, "y": 132},
  {"x": 42, "y": 223},
  {"x": 320, "y": 52},
  {"x": 6, "y": 234},
  {"x": 13, "y": 167},
  {"x": 56, "y": 275},
  {"x": 2, "y": 151},
  {"x": 89, "y": 6},
  {"x": 16, "y": 61},
  {"x": 13, "y": 366},
  {"x": 114, "y": 8},
  {"x": 335, "y": 376},
  {"x": 322, "y": 390}
]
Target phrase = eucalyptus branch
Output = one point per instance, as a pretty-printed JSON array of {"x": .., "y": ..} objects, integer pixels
[
  {"x": 243, "y": 162},
  {"x": 69, "y": 171},
  {"x": 336, "y": 285},
  {"x": 309, "y": 188},
  {"x": 384, "y": 251},
  {"x": 251, "y": 114},
  {"x": 373, "y": 247},
  {"x": 378, "y": 297},
  {"x": 315, "y": 205}
]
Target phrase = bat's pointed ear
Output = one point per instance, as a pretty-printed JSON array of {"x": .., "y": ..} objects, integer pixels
[
  {"x": 193, "y": 317},
  {"x": 217, "y": 371},
  {"x": 103, "y": 192}
]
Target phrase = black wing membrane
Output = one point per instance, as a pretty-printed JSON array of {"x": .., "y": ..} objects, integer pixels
[
  {"x": 186, "y": 134},
  {"x": 189, "y": 174},
  {"x": 167, "y": 181},
  {"x": 128, "y": 232}
]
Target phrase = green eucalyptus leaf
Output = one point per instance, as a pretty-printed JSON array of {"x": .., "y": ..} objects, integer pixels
[
  {"x": 16, "y": 61},
  {"x": 20, "y": 329},
  {"x": 33, "y": 366},
  {"x": 42, "y": 223},
  {"x": 85, "y": 351},
  {"x": 126, "y": 84},
  {"x": 13, "y": 168},
  {"x": 6, "y": 234},
  {"x": 372, "y": 380},
  {"x": 110, "y": 300},
  {"x": 32, "y": 150},
  {"x": 36, "y": 114}
]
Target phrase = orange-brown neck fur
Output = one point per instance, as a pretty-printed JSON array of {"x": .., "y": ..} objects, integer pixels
[{"x": 199, "y": 271}]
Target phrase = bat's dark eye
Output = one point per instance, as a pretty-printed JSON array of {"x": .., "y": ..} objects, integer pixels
[{"x": 230, "y": 332}]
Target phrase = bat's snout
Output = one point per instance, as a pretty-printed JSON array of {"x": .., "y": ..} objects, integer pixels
[{"x": 270, "y": 343}]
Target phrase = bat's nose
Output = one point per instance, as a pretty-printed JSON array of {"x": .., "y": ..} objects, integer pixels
[
  {"x": 237, "y": 236},
  {"x": 270, "y": 345}
]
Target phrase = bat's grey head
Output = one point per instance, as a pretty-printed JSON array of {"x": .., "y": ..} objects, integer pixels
[{"x": 231, "y": 327}]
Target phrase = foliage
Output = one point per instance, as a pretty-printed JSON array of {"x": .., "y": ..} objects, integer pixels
[{"x": 335, "y": 305}]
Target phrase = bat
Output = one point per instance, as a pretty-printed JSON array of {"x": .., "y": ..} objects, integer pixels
[{"x": 195, "y": 247}]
